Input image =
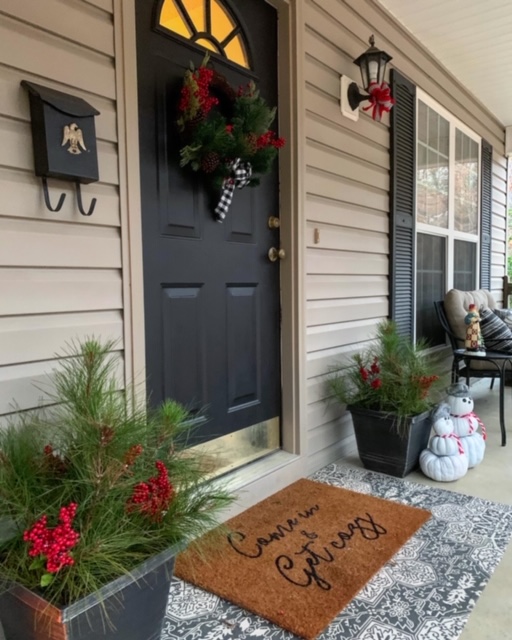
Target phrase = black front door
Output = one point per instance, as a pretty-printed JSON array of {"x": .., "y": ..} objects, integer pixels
[{"x": 211, "y": 294}]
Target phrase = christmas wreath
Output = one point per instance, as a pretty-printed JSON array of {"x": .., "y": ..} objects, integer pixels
[{"x": 226, "y": 133}]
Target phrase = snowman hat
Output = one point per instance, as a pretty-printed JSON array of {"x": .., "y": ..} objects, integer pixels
[
  {"x": 441, "y": 411},
  {"x": 458, "y": 390}
]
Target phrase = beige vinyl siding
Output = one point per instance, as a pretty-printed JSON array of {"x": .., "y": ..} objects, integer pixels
[
  {"x": 60, "y": 273},
  {"x": 347, "y": 197}
]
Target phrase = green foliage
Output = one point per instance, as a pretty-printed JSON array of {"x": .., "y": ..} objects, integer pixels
[
  {"x": 392, "y": 375},
  {"x": 91, "y": 432}
]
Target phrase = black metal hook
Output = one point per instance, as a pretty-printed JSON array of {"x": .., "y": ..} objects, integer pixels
[
  {"x": 80, "y": 204},
  {"x": 47, "y": 198}
]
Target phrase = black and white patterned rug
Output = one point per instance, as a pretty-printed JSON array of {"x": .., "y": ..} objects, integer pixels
[{"x": 426, "y": 592}]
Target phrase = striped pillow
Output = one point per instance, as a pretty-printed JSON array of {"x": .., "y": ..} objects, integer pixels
[
  {"x": 497, "y": 336},
  {"x": 505, "y": 315}
]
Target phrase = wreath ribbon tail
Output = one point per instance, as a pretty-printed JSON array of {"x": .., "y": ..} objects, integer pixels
[
  {"x": 240, "y": 177},
  {"x": 226, "y": 197}
]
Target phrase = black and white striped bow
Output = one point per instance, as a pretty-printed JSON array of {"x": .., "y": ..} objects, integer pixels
[{"x": 240, "y": 176}]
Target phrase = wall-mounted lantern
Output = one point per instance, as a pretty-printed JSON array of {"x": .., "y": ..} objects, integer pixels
[
  {"x": 372, "y": 64},
  {"x": 64, "y": 140}
]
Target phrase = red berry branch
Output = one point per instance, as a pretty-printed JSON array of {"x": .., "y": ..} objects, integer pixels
[
  {"x": 54, "y": 544},
  {"x": 152, "y": 498}
]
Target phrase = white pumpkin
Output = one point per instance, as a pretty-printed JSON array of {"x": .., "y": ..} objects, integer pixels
[
  {"x": 474, "y": 448},
  {"x": 443, "y": 468},
  {"x": 444, "y": 446}
]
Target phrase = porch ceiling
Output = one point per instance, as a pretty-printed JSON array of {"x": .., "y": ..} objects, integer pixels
[{"x": 472, "y": 39}]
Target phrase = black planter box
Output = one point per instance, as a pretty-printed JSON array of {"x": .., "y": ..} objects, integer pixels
[
  {"x": 134, "y": 605},
  {"x": 384, "y": 448}
]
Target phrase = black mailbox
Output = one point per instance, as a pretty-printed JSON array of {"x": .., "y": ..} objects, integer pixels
[
  {"x": 64, "y": 140},
  {"x": 63, "y": 135}
]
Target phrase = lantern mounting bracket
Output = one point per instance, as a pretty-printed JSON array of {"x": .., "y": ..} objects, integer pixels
[
  {"x": 354, "y": 96},
  {"x": 350, "y": 98}
]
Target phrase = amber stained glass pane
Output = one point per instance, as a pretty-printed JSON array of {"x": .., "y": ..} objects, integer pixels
[
  {"x": 196, "y": 11},
  {"x": 207, "y": 44},
  {"x": 222, "y": 24},
  {"x": 235, "y": 51},
  {"x": 171, "y": 19}
]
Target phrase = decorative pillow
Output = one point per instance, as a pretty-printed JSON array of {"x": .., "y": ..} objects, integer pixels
[
  {"x": 505, "y": 315},
  {"x": 456, "y": 305},
  {"x": 497, "y": 336}
]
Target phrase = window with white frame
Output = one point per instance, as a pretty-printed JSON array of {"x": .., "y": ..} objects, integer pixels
[{"x": 447, "y": 206}]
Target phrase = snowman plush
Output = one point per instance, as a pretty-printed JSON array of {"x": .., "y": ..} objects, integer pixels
[
  {"x": 466, "y": 422},
  {"x": 445, "y": 460}
]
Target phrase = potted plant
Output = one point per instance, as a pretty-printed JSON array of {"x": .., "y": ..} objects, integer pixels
[
  {"x": 95, "y": 500},
  {"x": 387, "y": 388}
]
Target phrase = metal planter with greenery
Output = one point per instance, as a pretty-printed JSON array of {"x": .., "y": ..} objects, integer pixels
[
  {"x": 96, "y": 497},
  {"x": 388, "y": 390}
]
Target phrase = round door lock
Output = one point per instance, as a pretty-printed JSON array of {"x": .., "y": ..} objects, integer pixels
[
  {"x": 274, "y": 223},
  {"x": 276, "y": 254}
]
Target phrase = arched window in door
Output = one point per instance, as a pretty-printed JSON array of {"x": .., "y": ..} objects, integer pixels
[{"x": 207, "y": 23}]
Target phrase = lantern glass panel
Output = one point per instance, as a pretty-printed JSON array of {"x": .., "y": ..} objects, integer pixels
[
  {"x": 364, "y": 72},
  {"x": 373, "y": 70},
  {"x": 382, "y": 70}
]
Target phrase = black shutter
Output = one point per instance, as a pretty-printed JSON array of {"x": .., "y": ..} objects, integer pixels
[
  {"x": 403, "y": 203},
  {"x": 486, "y": 216}
]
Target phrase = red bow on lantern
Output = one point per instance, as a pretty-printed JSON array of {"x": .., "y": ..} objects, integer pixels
[{"x": 380, "y": 99}]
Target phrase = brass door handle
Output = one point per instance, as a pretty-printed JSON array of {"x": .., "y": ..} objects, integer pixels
[{"x": 276, "y": 254}]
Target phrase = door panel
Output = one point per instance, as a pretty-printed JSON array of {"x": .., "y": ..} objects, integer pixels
[
  {"x": 211, "y": 295},
  {"x": 184, "y": 341},
  {"x": 244, "y": 343}
]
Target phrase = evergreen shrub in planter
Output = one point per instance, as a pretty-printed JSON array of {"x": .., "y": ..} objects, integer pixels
[
  {"x": 387, "y": 388},
  {"x": 96, "y": 496}
]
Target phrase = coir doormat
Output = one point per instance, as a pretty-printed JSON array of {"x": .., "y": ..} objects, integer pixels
[{"x": 300, "y": 556}]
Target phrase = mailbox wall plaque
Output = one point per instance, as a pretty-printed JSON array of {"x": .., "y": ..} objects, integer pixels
[{"x": 64, "y": 140}]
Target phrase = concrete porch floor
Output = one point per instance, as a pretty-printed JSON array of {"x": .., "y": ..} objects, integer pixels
[{"x": 492, "y": 480}]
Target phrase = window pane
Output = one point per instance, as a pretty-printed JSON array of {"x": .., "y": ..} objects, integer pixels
[
  {"x": 464, "y": 272},
  {"x": 466, "y": 183},
  {"x": 195, "y": 9},
  {"x": 430, "y": 286},
  {"x": 222, "y": 24},
  {"x": 235, "y": 51},
  {"x": 444, "y": 137},
  {"x": 422, "y": 122},
  {"x": 432, "y": 173},
  {"x": 421, "y": 184},
  {"x": 171, "y": 19}
]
